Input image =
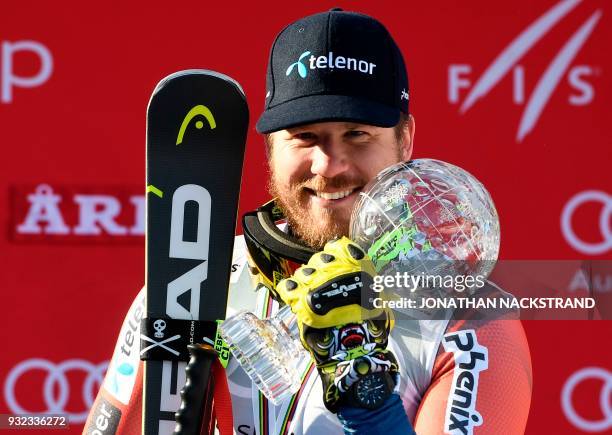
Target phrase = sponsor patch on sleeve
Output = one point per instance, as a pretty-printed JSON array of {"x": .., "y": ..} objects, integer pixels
[
  {"x": 105, "y": 419},
  {"x": 121, "y": 373},
  {"x": 239, "y": 259},
  {"x": 470, "y": 359}
]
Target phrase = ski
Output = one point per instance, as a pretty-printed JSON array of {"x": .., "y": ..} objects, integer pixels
[{"x": 197, "y": 122}]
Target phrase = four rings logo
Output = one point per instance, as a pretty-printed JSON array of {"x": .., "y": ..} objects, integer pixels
[
  {"x": 577, "y": 75},
  {"x": 605, "y": 230},
  {"x": 604, "y": 399},
  {"x": 56, "y": 388}
]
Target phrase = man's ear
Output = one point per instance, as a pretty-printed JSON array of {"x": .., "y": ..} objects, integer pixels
[{"x": 407, "y": 138}]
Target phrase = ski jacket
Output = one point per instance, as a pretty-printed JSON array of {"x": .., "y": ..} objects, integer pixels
[{"x": 457, "y": 377}]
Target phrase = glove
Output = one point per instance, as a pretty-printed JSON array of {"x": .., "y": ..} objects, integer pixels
[{"x": 346, "y": 336}]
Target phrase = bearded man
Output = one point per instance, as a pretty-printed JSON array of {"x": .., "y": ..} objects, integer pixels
[{"x": 336, "y": 113}]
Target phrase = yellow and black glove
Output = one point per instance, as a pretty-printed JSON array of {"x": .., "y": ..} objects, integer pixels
[{"x": 347, "y": 337}]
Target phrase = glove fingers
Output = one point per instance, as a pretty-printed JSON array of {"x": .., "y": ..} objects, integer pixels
[{"x": 342, "y": 253}]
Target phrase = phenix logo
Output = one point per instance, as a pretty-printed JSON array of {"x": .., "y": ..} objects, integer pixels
[
  {"x": 548, "y": 81},
  {"x": 331, "y": 62},
  {"x": 470, "y": 359}
]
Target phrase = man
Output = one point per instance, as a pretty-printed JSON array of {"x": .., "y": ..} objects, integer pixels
[{"x": 336, "y": 113}]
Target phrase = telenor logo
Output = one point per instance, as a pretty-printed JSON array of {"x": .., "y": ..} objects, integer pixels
[
  {"x": 329, "y": 61},
  {"x": 302, "y": 71}
]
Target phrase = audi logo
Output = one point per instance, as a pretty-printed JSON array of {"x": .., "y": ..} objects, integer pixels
[
  {"x": 604, "y": 399},
  {"x": 56, "y": 380},
  {"x": 604, "y": 222}
]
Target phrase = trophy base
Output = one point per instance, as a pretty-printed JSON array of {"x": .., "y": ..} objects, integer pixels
[{"x": 267, "y": 352}]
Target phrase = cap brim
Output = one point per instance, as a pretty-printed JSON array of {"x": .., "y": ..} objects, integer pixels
[{"x": 326, "y": 108}]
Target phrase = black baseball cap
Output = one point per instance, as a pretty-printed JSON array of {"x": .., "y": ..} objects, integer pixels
[{"x": 334, "y": 66}]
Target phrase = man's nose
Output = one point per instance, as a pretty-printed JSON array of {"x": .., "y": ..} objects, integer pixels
[{"x": 329, "y": 161}]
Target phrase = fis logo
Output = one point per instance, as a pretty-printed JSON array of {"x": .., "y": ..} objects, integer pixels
[
  {"x": 195, "y": 111},
  {"x": 506, "y": 63},
  {"x": 470, "y": 359},
  {"x": 329, "y": 61}
]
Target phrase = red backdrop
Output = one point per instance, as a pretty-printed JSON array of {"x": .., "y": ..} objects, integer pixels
[{"x": 517, "y": 93}]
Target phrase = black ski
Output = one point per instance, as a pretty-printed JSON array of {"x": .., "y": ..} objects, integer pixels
[{"x": 197, "y": 123}]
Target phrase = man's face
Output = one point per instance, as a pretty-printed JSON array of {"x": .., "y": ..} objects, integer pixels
[{"x": 318, "y": 170}]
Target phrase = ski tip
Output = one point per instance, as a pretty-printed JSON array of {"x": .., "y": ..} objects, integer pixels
[{"x": 207, "y": 72}]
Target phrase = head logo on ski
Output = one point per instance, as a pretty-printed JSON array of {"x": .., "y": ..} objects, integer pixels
[{"x": 195, "y": 111}]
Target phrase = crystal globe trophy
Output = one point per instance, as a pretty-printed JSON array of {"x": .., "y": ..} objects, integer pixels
[
  {"x": 422, "y": 216},
  {"x": 427, "y": 217}
]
